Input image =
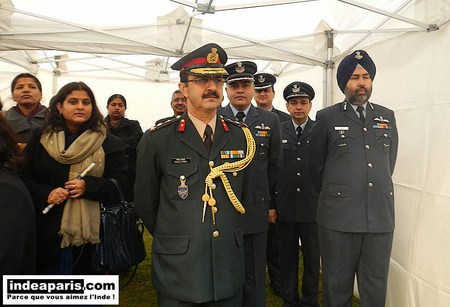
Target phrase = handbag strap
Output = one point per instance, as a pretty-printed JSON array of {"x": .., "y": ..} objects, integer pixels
[{"x": 119, "y": 189}]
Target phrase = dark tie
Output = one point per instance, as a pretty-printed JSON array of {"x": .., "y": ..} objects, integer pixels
[
  {"x": 360, "y": 110},
  {"x": 240, "y": 115},
  {"x": 299, "y": 132},
  {"x": 208, "y": 137}
]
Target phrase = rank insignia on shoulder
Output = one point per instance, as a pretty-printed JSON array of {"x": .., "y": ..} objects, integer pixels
[
  {"x": 164, "y": 124},
  {"x": 234, "y": 122},
  {"x": 232, "y": 154}
]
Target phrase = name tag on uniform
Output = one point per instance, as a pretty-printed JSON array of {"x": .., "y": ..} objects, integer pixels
[
  {"x": 284, "y": 141},
  {"x": 181, "y": 160},
  {"x": 341, "y": 128}
]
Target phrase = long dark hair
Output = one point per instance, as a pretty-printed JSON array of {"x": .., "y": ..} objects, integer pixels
[
  {"x": 11, "y": 156},
  {"x": 55, "y": 122}
]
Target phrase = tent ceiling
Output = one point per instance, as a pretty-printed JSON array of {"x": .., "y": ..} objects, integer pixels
[{"x": 141, "y": 39}]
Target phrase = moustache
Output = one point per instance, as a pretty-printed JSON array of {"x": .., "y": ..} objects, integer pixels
[{"x": 210, "y": 94}]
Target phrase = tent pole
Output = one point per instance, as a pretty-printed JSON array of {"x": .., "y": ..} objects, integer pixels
[{"x": 328, "y": 73}]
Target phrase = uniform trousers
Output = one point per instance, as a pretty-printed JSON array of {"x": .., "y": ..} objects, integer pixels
[
  {"x": 255, "y": 246},
  {"x": 345, "y": 254},
  {"x": 233, "y": 301},
  {"x": 273, "y": 257},
  {"x": 289, "y": 233}
]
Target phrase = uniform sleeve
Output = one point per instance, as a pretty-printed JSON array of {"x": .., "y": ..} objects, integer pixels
[
  {"x": 394, "y": 145},
  {"x": 317, "y": 150},
  {"x": 146, "y": 187},
  {"x": 275, "y": 160}
]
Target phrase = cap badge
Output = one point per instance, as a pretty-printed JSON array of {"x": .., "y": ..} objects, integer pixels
[
  {"x": 296, "y": 89},
  {"x": 261, "y": 79},
  {"x": 212, "y": 57},
  {"x": 239, "y": 68},
  {"x": 358, "y": 55}
]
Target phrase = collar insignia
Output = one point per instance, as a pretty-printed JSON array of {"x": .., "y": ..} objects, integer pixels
[{"x": 239, "y": 68}]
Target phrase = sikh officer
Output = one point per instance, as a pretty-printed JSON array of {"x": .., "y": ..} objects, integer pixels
[
  {"x": 259, "y": 196},
  {"x": 188, "y": 195},
  {"x": 296, "y": 202},
  {"x": 352, "y": 154}
]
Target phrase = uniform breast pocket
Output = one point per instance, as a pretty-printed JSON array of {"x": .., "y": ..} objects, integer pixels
[
  {"x": 383, "y": 138},
  {"x": 182, "y": 180},
  {"x": 286, "y": 152},
  {"x": 262, "y": 148},
  {"x": 343, "y": 143}
]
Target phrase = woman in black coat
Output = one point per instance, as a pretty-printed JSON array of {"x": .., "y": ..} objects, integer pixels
[
  {"x": 17, "y": 225},
  {"x": 72, "y": 138}
]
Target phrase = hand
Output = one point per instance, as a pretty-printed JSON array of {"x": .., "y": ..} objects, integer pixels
[
  {"x": 76, "y": 187},
  {"x": 272, "y": 216},
  {"x": 57, "y": 196}
]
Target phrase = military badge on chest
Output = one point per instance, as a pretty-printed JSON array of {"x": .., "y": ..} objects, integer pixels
[
  {"x": 381, "y": 123},
  {"x": 263, "y": 131},
  {"x": 183, "y": 189}
]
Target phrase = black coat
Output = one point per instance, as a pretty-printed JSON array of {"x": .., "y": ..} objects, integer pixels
[
  {"x": 17, "y": 227},
  {"x": 130, "y": 132},
  {"x": 296, "y": 199},
  {"x": 283, "y": 116},
  {"x": 42, "y": 174},
  {"x": 263, "y": 170}
]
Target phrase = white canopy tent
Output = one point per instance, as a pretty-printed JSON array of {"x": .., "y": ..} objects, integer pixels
[{"x": 126, "y": 48}]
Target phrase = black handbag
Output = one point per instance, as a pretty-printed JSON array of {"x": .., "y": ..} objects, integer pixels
[{"x": 121, "y": 238}]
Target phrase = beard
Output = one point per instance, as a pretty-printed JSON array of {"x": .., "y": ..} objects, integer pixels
[{"x": 357, "y": 99}]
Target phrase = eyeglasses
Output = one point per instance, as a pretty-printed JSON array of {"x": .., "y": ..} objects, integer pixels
[{"x": 204, "y": 81}]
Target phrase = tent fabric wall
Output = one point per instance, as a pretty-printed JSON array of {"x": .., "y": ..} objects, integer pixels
[{"x": 412, "y": 79}]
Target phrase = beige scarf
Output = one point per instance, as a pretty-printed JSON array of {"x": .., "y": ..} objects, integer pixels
[{"x": 80, "y": 221}]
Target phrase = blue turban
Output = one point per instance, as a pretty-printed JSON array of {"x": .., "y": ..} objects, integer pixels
[{"x": 348, "y": 65}]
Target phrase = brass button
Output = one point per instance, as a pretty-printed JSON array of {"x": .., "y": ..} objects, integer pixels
[
  {"x": 215, "y": 234},
  {"x": 365, "y": 129},
  {"x": 369, "y": 165},
  {"x": 370, "y": 184},
  {"x": 298, "y": 158},
  {"x": 367, "y": 147},
  {"x": 339, "y": 193},
  {"x": 298, "y": 189},
  {"x": 298, "y": 174}
]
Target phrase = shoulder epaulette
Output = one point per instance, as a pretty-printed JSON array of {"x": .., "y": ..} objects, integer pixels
[
  {"x": 165, "y": 124},
  {"x": 231, "y": 121}
]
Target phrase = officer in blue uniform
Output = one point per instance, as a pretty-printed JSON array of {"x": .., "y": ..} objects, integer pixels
[
  {"x": 296, "y": 202},
  {"x": 188, "y": 195},
  {"x": 352, "y": 154},
  {"x": 259, "y": 196}
]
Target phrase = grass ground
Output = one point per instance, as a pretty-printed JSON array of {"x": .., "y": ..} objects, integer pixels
[{"x": 140, "y": 291}]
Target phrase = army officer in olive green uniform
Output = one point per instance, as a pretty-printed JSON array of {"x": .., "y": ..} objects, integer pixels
[{"x": 188, "y": 195}]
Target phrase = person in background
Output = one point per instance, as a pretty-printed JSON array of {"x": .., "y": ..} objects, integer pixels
[
  {"x": 178, "y": 105},
  {"x": 351, "y": 155},
  {"x": 17, "y": 223},
  {"x": 258, "y": 199},
  {"x": 296, "y": 202},
  {"x": 72, "y": 137},
  {"x": 28, "y": 113},
  {"x": 264, "y": 95},
  {"x": 129, "y": 131},
  {"x": 198, "y": 253}
]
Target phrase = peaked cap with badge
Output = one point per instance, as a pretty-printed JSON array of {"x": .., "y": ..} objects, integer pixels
[
  {"x": 243, "y": 70},
  {"x": 348, "y": 65},
  {"x": 206, "y": 60},
  {"x": 298, "y": 89},
  {"x": 264, "y": 80}
]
